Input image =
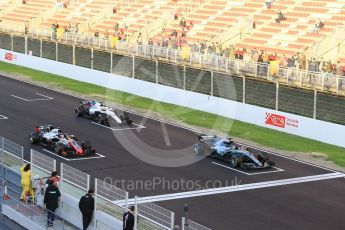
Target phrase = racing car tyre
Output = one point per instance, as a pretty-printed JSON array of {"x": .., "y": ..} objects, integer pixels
[
  {"x": 101, "y": 119},
  {"x": 236, "y": 161},
  {"x": 58, "y": 148},
  {"x": 262, "y": 157},
  {"x": 79, "y": 112},
  {"x": 34, "y": 138}
]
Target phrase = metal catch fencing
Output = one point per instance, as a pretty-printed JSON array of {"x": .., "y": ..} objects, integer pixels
[
  {"x": 106, "y": 196},
  {"x": 11, "y": 155},
  {"x": 74, "y": 181},
  {"x": 188, "y": 224},
  {"x": 152, "y": 216},
  {"x": 41, "y": 164}
]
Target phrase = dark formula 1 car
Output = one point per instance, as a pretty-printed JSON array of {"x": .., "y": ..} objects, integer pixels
[
  {"x": 61, "y": 143},
  {"x": 102, "y": 114},
  {"x": 226, "y": 150}
]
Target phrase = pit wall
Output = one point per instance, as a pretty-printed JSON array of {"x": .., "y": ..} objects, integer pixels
[{"x": 289, "y": 123}]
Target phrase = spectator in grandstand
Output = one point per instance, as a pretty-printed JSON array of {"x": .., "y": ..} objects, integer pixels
[
  {"x": 318, "y": 26},
  {"x": 26, "y": 31},
  {"x": 281, "y": 17},
  {"x": 174, "y": 33},
  {"x": 51, "y": 201},
  {"x": 24, "y": 1},
  {"x": 338, "y": 68},
  {"x": 140, "y": 39},
  {"x": 183, "y": 22},
  {"x": 114, "y": 10},
  {"x": 268, "y": 4},
  {"x": 76, "y": 28},
  {"x": 302, "y": 61},
  {"x": 106, "y": 35},
  {"x": 27, "y": 191},
  {"x": 116, "y": 29},
  {"x": 96, "y": 34},
  {"x": 86, "y": 207},
  {"x": 150, "y": 42},
  {"x": 283, "y": 61},
  {"x": 176, "y": 17},
  {"x": 128, "y": 219}
]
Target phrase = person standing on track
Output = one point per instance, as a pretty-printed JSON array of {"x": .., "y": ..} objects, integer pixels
[
  {"x": 128, "y": 219},
  {"x": 86, "y": 206},
  {"x": 51, "y": 200}
]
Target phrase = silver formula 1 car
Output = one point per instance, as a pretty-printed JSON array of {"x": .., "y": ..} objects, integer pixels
[
  {"x": 104, "y": 115},
  {"x": 226, "y": 150}
]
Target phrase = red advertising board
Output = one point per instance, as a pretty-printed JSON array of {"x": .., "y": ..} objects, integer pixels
[
  {"x": 8, "y": 56},
  {"x": 275, "y": 120}
]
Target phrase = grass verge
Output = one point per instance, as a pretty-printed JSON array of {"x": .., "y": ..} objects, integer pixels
[{"x": 263, "y": 136}]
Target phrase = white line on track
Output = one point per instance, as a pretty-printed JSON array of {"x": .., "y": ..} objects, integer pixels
[
  {"x": 45, "y": 98},
  {"x": 75, "y": 159},
  {"x": 235, "y": 188},
  {"x": 2, "y": 117},
  {"x": 104, "y": 126},
  {"x": 249, "y": 174}
]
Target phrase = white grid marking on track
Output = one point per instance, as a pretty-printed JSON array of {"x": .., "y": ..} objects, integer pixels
[
  {"x": 249, "y": 174},
  {"x": 75, "y": 159},
  {"x": 2, "y": 117},
  {"x": 45, "y": 98},
  {"x": 120, "y": 129}
]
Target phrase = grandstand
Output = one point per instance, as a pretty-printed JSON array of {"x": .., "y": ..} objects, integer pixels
[
  {"x": 215, "y": 25},
  {"x": 207, "y": 21}
]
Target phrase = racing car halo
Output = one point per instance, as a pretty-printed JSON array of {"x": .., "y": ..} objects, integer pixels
[
  {"x": 226, "y": 150},
  {"x": 61, "y": 143},
  {"x": 102, "y": 114}
]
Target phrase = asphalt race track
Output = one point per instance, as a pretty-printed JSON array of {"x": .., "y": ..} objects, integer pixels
[{"x": 295, "y": 195}]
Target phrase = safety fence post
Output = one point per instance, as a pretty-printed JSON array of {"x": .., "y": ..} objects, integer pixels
[
  {"x": 315, "y": 102},
  {"x": 277, "y": 95},
  {"x": 135, "y": 212}
]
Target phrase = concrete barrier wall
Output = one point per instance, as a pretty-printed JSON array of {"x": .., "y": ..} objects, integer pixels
[{"x": 285, "y": 122}]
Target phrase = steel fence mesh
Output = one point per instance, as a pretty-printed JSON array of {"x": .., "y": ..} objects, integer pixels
[
  {"x": 228, "y": 87},
  {"x": 5, "y": 41},
  {"x": 297, "y": 101},
  {"x": 41, "y": 164},
  {"x": 122, "y": 65},
  {"x": 110, "y": 192},
  {"x": 191, "y": 225},
  {"x": 83, "y": 57},
  {"x": 101, "y": 61},
  {"x": 34, "y": 47},
  {"x": 330, "y": 108},
  {"x": 13, "y": 148},
  {"x": 75, "y": 176},
  {"x": 19, "y": 44},
  {"x": 145, "y": 70},
  {"x": 65, "y": 53},
  {"x": 49, "y": 50},
  {"x": 12, "y": 154},
  {"x": 260, "y": 93},
  {"x": 156, "y": 214},
  {"x": 198, "y": 81},
  {"x": 170, "y": 75}
]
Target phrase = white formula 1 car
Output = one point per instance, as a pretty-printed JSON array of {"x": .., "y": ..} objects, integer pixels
[{"x": 102, "y": 114}]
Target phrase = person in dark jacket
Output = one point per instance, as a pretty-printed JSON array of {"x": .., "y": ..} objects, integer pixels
[
  {"x": 51, "y": 201},
  {"x": 128, "y": 219},
  {"x": 86, "y": 206}
]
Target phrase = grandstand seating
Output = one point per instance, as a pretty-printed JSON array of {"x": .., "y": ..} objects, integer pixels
[{"x": 210, "y": 19}]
